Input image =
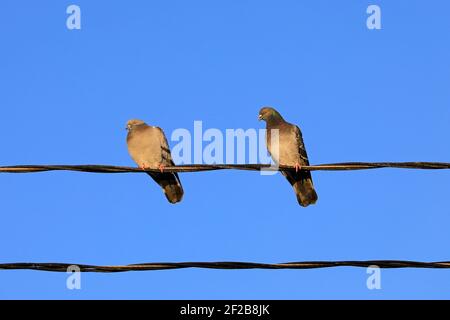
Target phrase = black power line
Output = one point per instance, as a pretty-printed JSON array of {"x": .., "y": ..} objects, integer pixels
[
  {"x": 206, "y": 167},
  {"x": 63, "y": 267}
]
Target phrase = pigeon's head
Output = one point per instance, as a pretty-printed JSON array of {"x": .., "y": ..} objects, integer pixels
[
  {"x": 268, "y": 113},
  {"x": 131, "y": 124}
]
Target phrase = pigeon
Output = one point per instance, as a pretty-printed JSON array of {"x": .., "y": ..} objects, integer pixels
[
  {"x": 148, "y": 147},
  {"x": 290, "y": 152}
]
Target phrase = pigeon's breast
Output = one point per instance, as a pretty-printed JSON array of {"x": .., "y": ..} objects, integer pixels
[
  {"x": 144, "y": 147},
  {"x": 288, "y": 148}
]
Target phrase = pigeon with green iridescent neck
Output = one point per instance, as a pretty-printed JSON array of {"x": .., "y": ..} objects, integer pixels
[{"x": 289, "y": 151}]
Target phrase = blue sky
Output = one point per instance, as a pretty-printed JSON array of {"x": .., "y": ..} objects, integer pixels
[{"x": 357, "y": 94}]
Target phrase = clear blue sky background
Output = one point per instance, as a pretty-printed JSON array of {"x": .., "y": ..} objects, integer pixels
[{"x": 358, "y": 95}]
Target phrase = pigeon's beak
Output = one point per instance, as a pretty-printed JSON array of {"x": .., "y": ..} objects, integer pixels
[{"x": 259, "y": 117}]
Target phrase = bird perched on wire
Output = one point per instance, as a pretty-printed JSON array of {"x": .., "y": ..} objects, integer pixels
[
  {"x": 289, "y": 151},
  {"x": 148, "y": 147}
]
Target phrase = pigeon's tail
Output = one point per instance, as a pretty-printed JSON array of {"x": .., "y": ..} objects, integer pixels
[
  {"x": 171, "y": 185},
  {"x": 303, "y": 186}
]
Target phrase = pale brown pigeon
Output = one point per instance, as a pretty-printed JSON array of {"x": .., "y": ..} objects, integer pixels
[
  {"x": 290, "y": 152},
  {"x": 148, "y": 147}
]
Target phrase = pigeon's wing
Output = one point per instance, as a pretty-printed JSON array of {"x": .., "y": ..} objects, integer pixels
[
  {"x": 301, "y": 181},
  {"x": 166, "y": 156},
  {"x": 300, "y": 145},
  {"x": 169, "y": 181}
]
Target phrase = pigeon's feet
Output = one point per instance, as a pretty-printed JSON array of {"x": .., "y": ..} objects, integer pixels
[
  {"x": 143, "y": 167},
  {"x": 298, "y": 167},
  {"x": 161, "y": 168}
]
